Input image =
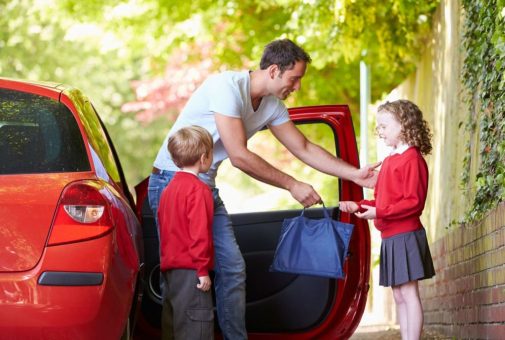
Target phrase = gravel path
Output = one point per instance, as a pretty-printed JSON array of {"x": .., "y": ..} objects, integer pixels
[{"x": 390, "y": 333}]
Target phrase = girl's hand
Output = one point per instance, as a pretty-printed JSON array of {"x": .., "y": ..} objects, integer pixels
[
  {"x": 204, "y": 284},
  {"x": 348, "y": 206},
  {"x": 369, "y": 214}
]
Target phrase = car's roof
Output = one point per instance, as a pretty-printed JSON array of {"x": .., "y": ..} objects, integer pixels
[
  {"x": 32, "y": 85},
  {"x": 46, "y": 84}
]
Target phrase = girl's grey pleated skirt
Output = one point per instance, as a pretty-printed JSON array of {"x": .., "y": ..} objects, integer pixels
[{"x": 405, "y": 257}]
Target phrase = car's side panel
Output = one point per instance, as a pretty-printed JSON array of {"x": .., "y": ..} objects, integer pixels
[{"x": 99, "y": 149}]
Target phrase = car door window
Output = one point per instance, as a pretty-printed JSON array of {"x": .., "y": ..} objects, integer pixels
[
  {"x": 241, "y": 193},
  {"x": 38, "y": 135}
]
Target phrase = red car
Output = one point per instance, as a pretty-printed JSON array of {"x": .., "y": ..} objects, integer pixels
[
  {"x": 71, "y": 249},
  {"x": 279, "y": 305}
]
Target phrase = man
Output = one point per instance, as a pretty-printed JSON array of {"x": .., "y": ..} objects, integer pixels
[{"x": 233, "y": 106}]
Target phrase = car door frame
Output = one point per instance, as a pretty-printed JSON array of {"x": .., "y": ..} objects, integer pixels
[{"x": 350, "y": 300}]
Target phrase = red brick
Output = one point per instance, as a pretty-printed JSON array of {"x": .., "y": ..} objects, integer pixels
[
  {"x": 466, "y": 299},
  {"x": 495, "y": 332},
  {"x": 492, "y": 313}
]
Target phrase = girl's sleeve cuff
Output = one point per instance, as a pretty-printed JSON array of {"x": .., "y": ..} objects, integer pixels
[{"x": 365, "y": 202}]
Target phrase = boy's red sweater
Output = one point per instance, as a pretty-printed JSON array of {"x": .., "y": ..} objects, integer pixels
[
  {"x": 400, "y": 193},
  {"x": 185, "y": 217}
]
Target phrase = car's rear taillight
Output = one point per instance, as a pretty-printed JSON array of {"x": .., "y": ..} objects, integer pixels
[{"x": 83, "y": 213}]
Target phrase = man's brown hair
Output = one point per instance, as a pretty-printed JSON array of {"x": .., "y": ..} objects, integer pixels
[{"x": 284, "y": 53}]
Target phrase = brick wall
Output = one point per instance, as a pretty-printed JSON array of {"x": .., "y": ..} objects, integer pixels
[{"x": 466, "y": 298}]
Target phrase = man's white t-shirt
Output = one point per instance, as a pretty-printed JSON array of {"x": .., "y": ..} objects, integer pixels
[{"x": 226, "y": 93}]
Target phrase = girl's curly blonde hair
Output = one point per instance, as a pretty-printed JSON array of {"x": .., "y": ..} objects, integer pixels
[{"x": 415, "y": 130}]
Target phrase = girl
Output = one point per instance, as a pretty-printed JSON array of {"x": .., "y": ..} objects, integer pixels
[{"x": 400, "y": 194}]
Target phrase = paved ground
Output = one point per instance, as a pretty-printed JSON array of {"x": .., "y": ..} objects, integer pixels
[{"x": 389, "y": 333}]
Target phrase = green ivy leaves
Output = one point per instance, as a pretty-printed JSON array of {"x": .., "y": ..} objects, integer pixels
[{"x": 484, "y": 78}]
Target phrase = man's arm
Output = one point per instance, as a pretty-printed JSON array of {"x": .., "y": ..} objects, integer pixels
[
  {"x": 232, "y": 133},
  {"x": 320, "y": 159}
]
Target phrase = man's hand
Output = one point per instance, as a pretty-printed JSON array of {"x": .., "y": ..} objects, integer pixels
[
  {"x": 204, "y": 284},
  {"x": 367, "y": 175},
  {"x": 305, "y": 194},
  {"x": 348, "y": 206},
  {"x": 369, "y": 214}
]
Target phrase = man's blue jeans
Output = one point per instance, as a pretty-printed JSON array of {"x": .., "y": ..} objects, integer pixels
[{"x": 229, "y": 281}]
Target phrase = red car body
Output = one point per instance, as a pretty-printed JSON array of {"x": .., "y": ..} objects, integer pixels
[
  {"x": 71, "y": 248},
  {"x": 281, "y": 306}
]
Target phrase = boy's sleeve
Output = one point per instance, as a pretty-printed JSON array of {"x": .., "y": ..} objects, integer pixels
[{"x": 200, "y": 216}]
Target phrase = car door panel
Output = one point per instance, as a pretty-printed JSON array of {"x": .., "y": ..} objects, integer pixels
[{"x": 274, "y": 302}]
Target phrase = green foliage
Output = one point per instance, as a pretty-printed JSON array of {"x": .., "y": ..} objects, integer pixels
[
  {"x": 102, "y": 46},
  {"x": 483, "y": 69},
  {"x": 338, "y": 34},
  {"x": 38, "y": 42}
]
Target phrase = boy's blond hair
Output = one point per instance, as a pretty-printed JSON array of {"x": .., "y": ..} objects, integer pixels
[{"x": 188, "y": 144}]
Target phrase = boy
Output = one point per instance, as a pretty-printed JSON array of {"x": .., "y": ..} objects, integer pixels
[{"x": 185, "y": 217}]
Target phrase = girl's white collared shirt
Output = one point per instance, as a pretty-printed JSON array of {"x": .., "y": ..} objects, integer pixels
[{"x": 400, "y": 148}]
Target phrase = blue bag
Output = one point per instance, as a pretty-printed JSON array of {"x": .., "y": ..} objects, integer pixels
[{"x": 312, "y": 247}]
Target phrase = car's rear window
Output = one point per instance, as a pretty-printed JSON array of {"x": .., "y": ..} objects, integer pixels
[{"x": 38, "y": 135}]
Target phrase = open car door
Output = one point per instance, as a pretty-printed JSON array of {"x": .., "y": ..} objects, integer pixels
[{"x": 280, "y": 305}]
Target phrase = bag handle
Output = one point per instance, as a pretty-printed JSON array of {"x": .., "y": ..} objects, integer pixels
[{"x": 325, "y": 212}]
